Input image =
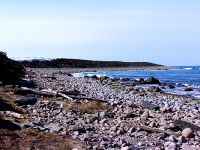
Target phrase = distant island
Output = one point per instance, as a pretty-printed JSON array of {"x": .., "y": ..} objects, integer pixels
[{"x": 78, "y": 63}]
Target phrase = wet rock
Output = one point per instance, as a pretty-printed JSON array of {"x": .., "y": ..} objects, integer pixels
[
  {"x": 69, "y": 75},
  {"x": 187, "y": 133},
  {"x": 124, "y": 79},
  {"x": 149, "y": 105},
  {"x": 154, "y": 89},
  {"x": 139, "y": 81},
  {"x": 152, "y": 80},
  {"x": 94, "y": 77},
  {"x": 103, "y": 78},
  {"x": 171, "y": 86},
  {"x": 188, "y": 89}
]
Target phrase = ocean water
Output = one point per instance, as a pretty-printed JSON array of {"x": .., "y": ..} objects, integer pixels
[{"x": 181, "y": 77}]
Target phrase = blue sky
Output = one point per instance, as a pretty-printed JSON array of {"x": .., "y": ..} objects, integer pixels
[{"x": 165, "y": 32}]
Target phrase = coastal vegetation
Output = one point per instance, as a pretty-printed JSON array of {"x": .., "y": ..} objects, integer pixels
[
  {"x": 78, "y": 63},
  {"x": 9, "y": 68}
]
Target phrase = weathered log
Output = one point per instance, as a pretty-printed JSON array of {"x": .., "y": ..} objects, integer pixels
[
  {"x": 183, "y": 124},
  {"x": 7, "y": 124},
  {"x": 44, "y": 94},
  {"x": 24, "y": 91},
  {"x": 86, "y": 98},
  {"x": 26, "y": 101},
  {"x": 23, "y": 83},
  {"x": 64, "y": 96},
  {"x": 14, "y": 114},
  {"x": 74, "y": 92}
]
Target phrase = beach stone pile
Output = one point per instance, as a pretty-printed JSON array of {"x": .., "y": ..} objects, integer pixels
[{"x": 134, "y": 118}]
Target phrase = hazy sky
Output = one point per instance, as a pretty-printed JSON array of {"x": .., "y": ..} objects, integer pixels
[{"x": 160, "y": 31}]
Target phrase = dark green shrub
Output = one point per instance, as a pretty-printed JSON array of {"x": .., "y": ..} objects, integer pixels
[{"x": 10, "y": 69}]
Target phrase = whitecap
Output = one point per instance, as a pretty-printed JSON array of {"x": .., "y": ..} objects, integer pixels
[
  {"x": 188, "y": 68},
  {"x": 77, "y": 75}
]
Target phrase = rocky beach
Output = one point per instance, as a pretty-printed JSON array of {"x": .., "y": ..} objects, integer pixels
[{"x": 103, "y": 113}]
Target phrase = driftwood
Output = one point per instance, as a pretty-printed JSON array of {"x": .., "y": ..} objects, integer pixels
[
  {"x": 24, "y": 91},
  {"x": 86, "y": 98},
  {"x": 70, "y": 95},
  {"x": 7, "y": 124},
  {"x": 26, "y": 101},
  {"x": 23, "y": 83},
  {"x": 14, "y": 114},
  {"x": 44, "y": 94},
  {"x": 64, "y": 96},
  {"x": 146, "y": 128},
  {"x": 73, "y": 93},
  {"x": 183, "y": 124}
]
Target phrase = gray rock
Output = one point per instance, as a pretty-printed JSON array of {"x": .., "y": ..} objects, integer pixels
[
  {"x": 102, "y": 114},
  {"x": 149, "y": 105},
  {"x": 53, "y": 127}
]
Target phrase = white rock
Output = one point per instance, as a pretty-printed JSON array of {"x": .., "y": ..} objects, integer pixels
[
  {"x": 189, "y": 147},
  {"x": 125, "y": 148},
  {"x": 171, "y": 146},
  {"x": 172, "y": 138}
]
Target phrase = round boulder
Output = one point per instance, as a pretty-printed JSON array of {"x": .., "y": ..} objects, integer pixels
[{"x": 187, "y": 133}]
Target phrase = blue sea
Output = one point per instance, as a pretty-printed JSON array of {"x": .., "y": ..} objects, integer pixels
[{"x": 181, "y": 77}]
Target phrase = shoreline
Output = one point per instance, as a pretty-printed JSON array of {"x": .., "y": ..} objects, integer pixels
[
  {"x": 101, "y": 113},
  {"x": 126, "y": 107},
  {"x": 77, "y": 70}
]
